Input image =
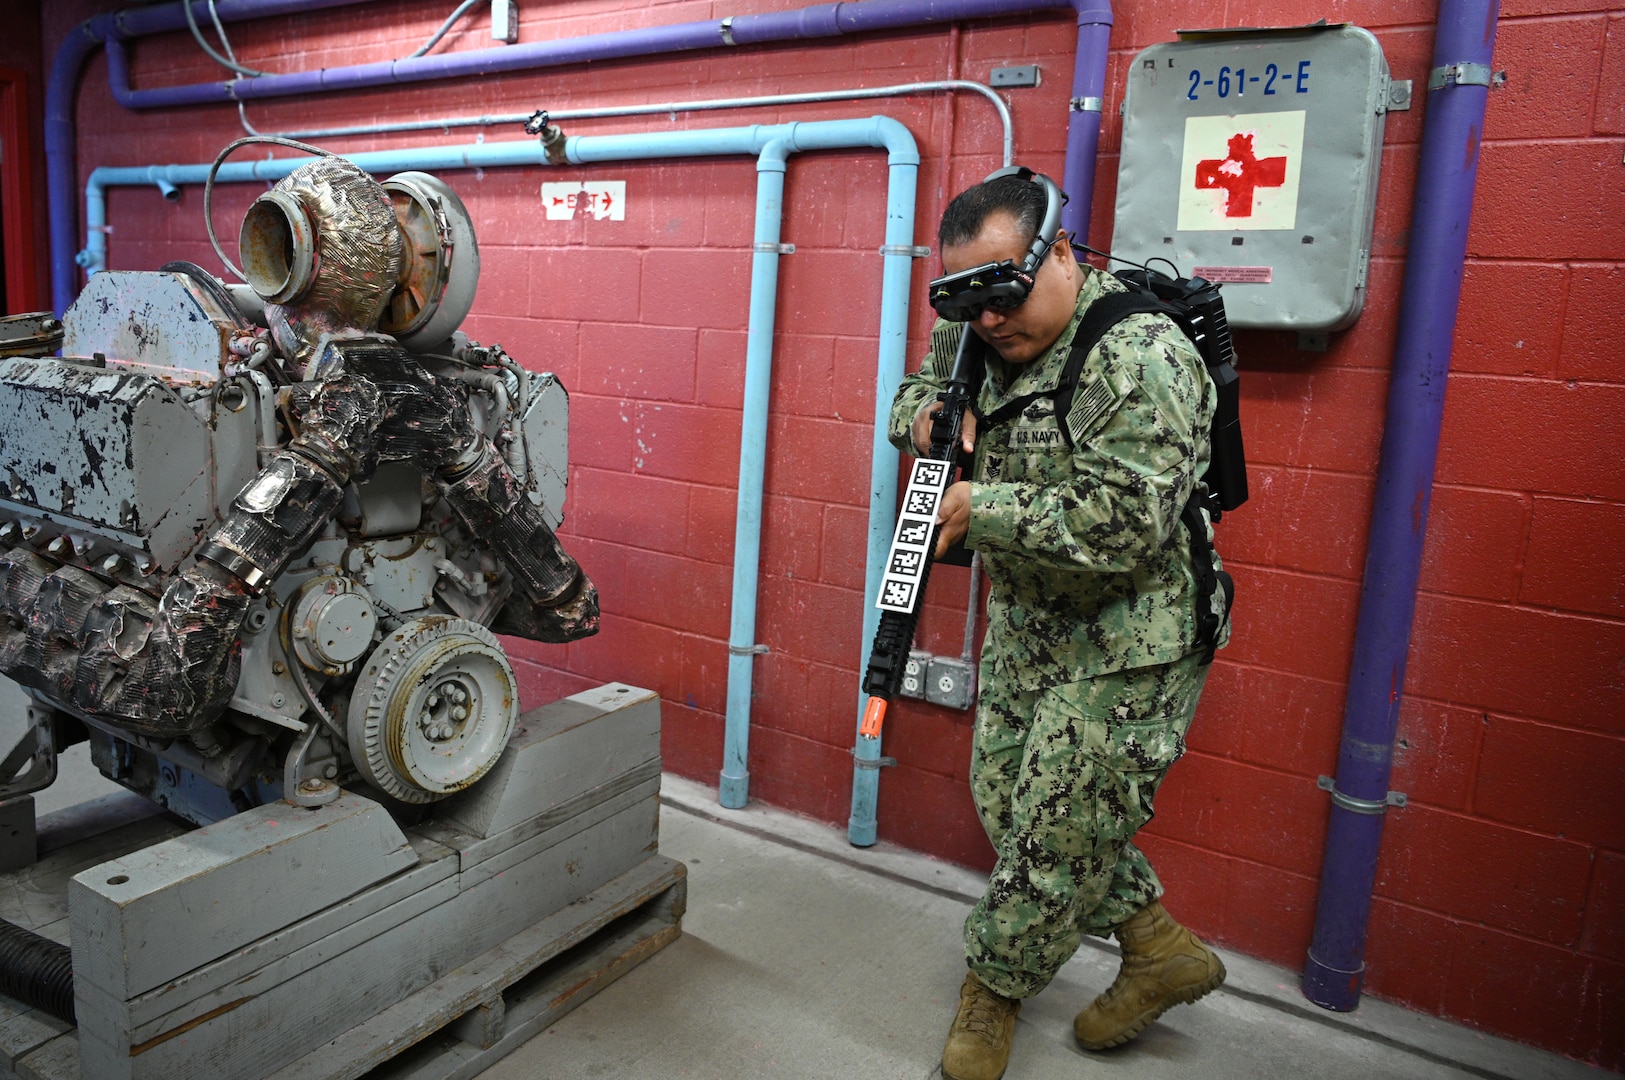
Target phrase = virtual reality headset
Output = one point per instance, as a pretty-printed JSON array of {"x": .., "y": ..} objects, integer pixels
[{"x": 1001, "y": 286}]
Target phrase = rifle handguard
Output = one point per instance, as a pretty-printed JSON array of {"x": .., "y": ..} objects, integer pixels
[{"x": 908, "y": 563}]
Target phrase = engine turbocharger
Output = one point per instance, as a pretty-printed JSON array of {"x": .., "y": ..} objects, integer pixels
[{"x": 258, "y": 541}]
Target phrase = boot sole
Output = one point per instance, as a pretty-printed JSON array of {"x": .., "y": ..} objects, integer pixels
[
  {"x": 950, "y": 1076},
  {"x": 1145, "y": 1019}
]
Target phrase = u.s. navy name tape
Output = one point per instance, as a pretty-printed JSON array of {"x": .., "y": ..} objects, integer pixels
[{"x": 911, "y": 544}]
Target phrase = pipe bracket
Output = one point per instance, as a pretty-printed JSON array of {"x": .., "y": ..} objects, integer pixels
[
  {"x": 764, "y": 247},
  {"x": 911, "y": 250},
  {"x": 1464, "y": 75},
  {"x": 726, "y": 29},
  {"x": 871, "y": 763},
  {"x": 1087, "y": 104},
  {"x": 748, "y": 650},
  {"x": 1359, "y": 806}
]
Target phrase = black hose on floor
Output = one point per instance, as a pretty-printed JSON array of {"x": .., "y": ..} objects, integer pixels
[{"x": 36, "y": 970}]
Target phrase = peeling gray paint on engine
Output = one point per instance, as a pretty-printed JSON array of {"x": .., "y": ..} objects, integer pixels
[
  {"x": 149, "y": 318},
  {"x": 115, "y": 448}
]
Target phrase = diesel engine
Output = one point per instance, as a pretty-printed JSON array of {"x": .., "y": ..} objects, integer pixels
[{"x": 258, "y": 541}]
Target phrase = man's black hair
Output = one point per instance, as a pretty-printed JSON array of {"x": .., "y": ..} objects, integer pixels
[{"x": 970, "y": 209}]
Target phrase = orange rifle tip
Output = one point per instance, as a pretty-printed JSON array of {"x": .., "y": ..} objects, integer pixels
[{"x": 873, "y": 716}]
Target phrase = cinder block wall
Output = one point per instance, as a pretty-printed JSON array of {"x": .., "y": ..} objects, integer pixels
[{"x": 1501, "y": 894}]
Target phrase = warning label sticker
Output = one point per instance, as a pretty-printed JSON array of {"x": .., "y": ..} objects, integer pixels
[
  {"x": 1241, "y": 172},
  {"x": 1236, "y": 275}
]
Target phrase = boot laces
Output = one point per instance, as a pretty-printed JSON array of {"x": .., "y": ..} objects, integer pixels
[{"x": 982, "y": 1013}]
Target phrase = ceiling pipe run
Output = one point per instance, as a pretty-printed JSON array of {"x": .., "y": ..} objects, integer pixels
[
  {"x": 558, "y": 116},
  {"x": 1458, "y": 88},
  {"x": 818, "y": 21}
]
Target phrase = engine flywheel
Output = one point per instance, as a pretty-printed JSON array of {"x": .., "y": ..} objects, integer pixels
[{"x": 432, "y": 709}]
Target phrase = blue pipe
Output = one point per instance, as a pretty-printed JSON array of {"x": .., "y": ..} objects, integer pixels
[
  {"x": 734, "y": 789},
  {"x": 1463, "y": 43},
  {"x": 894, "y": 291},
  {"x": 773, "y": 144},
  {"x": 1082, "y": 146}
]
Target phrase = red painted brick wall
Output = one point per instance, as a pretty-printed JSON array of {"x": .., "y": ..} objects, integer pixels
[
  {"x": 1501, "y": 892},
  {"x": 20, "y": 52}
]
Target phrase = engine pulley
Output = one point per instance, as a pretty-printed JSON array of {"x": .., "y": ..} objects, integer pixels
[
  {"x": 332, "y": 624},
  {"x": 432, "y": 709}
]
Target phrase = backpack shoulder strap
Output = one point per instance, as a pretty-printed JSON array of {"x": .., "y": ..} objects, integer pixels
[{"x": 1102, "y": 315}]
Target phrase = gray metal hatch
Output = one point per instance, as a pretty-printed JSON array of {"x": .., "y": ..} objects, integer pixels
[{"x": 1250, "y": 157}]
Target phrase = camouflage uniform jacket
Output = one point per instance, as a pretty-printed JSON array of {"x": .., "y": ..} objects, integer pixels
[{"x": 1089, "y": 565}]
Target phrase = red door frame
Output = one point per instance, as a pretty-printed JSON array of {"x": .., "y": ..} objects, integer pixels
[{"x": 17, "y": 189}]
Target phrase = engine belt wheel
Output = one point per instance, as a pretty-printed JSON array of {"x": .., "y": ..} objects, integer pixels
[{"x": 432, "y": 709}]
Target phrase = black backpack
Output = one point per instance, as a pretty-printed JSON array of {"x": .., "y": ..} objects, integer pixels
[{"x": 1195, "y": 306}]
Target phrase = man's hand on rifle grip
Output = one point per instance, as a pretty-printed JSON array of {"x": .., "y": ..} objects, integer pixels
[
  {"x": 953, "y": 515},
  {"x": 920, "y": 430}
]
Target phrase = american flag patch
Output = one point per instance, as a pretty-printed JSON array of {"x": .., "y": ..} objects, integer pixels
[
  {"x": 944, "y": 346},
  {"x": 1090, "y": 404}
]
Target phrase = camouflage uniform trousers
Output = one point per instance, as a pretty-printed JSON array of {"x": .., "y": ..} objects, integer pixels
[{"x": 1063, "y": 778}]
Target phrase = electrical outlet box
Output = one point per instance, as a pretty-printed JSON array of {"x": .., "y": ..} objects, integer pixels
[
  {"x": 1019, "y": 75},
  {"x": 505, "y": 21},
  {"x": 950, "y": 682},
  {"x": 913, "y": 683}
]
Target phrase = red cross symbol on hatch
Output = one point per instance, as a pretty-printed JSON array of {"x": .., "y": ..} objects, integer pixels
[{"x": 1239, "y": 174}]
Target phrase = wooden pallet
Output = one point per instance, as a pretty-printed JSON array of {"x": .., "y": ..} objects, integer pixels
[
  {"x": 326, "y": 944},
  {"x": 458, "y": 1026}
]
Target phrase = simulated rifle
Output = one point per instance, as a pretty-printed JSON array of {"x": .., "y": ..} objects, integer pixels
[{"x": 913, "y": 546}]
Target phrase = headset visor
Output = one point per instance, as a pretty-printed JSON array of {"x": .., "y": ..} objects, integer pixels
[{"x": 961, "y": 297}]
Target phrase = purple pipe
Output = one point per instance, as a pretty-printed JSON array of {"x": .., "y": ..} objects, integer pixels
[
  {"x": 1465, "y": 35},
  {"x": 1083, "y": 128},
  {"x": 822, "y": 20},
  {"x": 61, "y": 166}
]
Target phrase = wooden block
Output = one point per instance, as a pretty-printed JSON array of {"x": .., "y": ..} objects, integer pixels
[
  {"x": 482, "y": 1025},
  {"x": 144, "y": 918},
  {"x": 560, "y": 751}
]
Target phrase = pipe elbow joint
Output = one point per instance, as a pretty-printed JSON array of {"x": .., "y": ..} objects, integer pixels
[
  {"x": 775, "y": 155},
  {"x": 901, "y": 149},
  {"x": 169, "y": 191}
]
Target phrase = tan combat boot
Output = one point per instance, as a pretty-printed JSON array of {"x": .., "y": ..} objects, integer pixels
[
  {"x": 1164, "y": 965},
  {"x": 979, "y": 1042}
]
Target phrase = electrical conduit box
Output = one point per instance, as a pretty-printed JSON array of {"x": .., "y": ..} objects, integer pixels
[{"x": 1250, "y": 158}]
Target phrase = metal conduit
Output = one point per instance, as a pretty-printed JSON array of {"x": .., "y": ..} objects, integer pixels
[
  {"x": 555, "y": 115},
  {"x": 1446, "y": 176}
]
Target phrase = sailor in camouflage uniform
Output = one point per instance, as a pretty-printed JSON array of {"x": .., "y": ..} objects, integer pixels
[{"x": 1091, "y": 670}]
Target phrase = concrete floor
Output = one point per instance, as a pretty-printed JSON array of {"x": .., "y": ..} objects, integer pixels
[{"x": 804, "y": 958}]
